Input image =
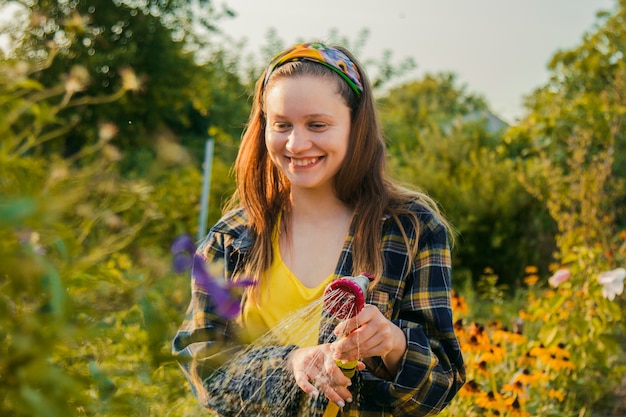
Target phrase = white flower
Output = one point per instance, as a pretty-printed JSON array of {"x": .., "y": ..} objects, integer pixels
[{"x": 612, "y": 283}]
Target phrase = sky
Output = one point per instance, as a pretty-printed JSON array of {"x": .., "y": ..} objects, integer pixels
[{"x": 498, "y": 49}]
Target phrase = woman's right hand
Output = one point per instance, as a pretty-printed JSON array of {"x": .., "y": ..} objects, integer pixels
[{"x": 315, "y": 370}]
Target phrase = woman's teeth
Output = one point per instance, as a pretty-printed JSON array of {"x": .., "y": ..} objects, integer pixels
[{"x": 304, "y": 161}]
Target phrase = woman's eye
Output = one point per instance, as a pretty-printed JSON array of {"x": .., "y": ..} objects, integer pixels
[
  {"x": 317, "y": 126},
  {"x": 281, "y": 126}
]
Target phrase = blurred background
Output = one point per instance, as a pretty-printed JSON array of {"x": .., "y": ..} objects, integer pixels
[{"x": 510, "y": 115}]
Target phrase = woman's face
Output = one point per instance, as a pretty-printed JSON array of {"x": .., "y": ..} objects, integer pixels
[{"x": 307, "y": 131}]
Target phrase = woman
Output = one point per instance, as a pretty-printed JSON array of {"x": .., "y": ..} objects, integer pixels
[{"x": 313, "y": 204}]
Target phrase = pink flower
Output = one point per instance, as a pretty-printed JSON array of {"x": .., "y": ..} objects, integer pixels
[
  {"x": 559, "y": 277},
  {"x": 612, "y": 283}
]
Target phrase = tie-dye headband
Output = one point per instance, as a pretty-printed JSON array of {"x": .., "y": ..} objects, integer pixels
[{"x": 328, "y": 56}]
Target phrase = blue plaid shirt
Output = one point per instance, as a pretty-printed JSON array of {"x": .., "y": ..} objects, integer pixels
[{"x": 432, "y": 369}]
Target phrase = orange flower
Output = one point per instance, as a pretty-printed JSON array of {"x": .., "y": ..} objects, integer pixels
[
  {"x": 559, "y": 351},
  {"x": 531, "y": 280},
  {"x": 508, "y": 337},
  {"x": 459, "y": 305},
  {"x": 482, "y": 368},
  {"x": 516, "y": 388},
  {"x": 515, "y": 409},
  {"x": 492, "y": 401},
  {"x": 531, "y": 269},
  {"x": 471, "y": 388},
  {"x": 539, "y": 351},
  {"x": 560, "y": 363},
  {"x": 527, "y": 360},
  {"x": 526, "y": 377},
  {"x": 556, "y": 394},
  {"x": 494, "y": 354}
]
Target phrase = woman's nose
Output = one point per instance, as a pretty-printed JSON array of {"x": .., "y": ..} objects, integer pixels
[{"x": 297, "y": 141}]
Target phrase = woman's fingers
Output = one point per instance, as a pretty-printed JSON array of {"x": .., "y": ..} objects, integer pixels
[
  {"x": 335, "y": 393},
  {"x": 368, "y": 334},
  {"x": 316, "y": 372},
  {"x": 369, "y": 315},
  {"x": 304, "y": 381}
]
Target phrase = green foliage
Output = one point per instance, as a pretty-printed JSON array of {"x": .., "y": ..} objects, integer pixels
[
  {"x": 87, "y": 307},
  {"x": 575, "y": 122},
  {"x": 441, "y": 140},
  {"x": 163, "y": 42}
]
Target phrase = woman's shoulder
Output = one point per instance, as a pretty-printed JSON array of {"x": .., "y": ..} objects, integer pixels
[
  {"x": 233, "y": 222},
  {"x": 420, "y": 207}
]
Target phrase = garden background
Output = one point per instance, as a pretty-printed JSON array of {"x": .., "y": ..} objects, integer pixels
[{"x": 105, "y": 108}]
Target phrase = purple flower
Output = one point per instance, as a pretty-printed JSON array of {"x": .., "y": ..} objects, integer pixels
[
  {"x": 183, "y": 248},
  {"x": 224, "y": 294}
]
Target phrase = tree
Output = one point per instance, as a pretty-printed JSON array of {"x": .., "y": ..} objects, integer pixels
[
  {"x": 573, "y": 141},
  {"x": 159, "y": 41},
  {"x": 441, "y": 139}
]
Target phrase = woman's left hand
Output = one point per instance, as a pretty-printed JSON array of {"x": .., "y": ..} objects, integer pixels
[{"x": 369, "y": 334}]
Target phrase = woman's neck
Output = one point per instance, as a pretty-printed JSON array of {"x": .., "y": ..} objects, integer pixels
[{"x": 315, "y": 206}]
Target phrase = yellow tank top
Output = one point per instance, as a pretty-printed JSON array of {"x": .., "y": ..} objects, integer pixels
[{"x": 289, "y": 309}]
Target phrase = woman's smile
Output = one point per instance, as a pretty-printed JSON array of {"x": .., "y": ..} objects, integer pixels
[{"x": 304, "y": 162}]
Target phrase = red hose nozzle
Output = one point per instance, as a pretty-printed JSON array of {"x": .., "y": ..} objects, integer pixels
[{"x": 344, "y": 298}]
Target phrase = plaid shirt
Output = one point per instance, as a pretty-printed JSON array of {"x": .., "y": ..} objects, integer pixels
[{"x": 432, "y": 369}]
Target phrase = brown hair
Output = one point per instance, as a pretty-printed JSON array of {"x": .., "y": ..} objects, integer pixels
[{"x": 361, "y": 182}]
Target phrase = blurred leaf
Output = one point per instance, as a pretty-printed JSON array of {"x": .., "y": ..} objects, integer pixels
[{"x": 13, "y": 212}]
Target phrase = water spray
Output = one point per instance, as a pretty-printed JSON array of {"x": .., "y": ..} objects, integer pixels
[{"x": 344, "y": 298}]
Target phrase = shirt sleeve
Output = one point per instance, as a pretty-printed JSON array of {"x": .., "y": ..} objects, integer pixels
[
  {"x": 432, "y": 369},
  {"x": 224, "y": 373}
]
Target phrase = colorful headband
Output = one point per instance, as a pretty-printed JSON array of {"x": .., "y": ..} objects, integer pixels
[{"x": 328, "y": 56}]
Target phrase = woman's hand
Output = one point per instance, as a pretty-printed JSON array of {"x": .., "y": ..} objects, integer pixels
[
  {"x": 315, "y": 370},
  {"x": 370, "y": 334}
]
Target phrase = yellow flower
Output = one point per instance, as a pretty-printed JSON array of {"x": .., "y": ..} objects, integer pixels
[
  {"x": 508, "y": 337},
  {"x": 482, "y": 368},
  {"x": 495, "y": 354},
  {"x": 540, "y": 351},
  {"x": 531, "y": 279},
  {"x": 559, "y": 351},
  {"x": 491, "y": 401},
  {"x": 556, "y": 394},
  {"x": 515, "y": 409},
  {"x": 526, "y": 377},
  {"x": 526, "y": 360},
  {"x": 531, "y": 269},
  {"x": 469, "y": 389},
  {"x": 458, "y": 304},
  {"x": 560, "y": 363},
  {"x": 516, "y": 388}
]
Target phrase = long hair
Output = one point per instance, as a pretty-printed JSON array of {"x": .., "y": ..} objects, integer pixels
[{"x": 361, "y": 182}]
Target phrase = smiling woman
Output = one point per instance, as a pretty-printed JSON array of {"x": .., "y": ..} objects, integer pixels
[
  {"x": 313, "y": 205},
  {"x": 307, "y": 132}
]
